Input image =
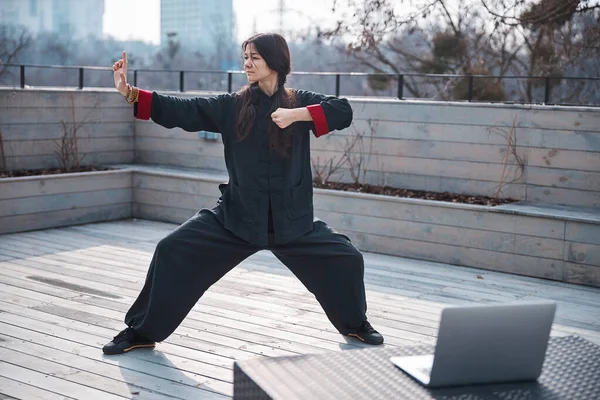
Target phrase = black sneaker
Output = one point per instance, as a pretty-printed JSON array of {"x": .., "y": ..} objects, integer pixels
[
  {"x": 367, "y": 334},
  {"x": 127, "y": 340}
]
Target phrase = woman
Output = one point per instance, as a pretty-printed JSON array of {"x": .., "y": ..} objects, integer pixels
[{"x": 267, "y": 203}]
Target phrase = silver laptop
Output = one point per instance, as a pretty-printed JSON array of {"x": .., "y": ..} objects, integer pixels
[{"x": 485, "y": 344}]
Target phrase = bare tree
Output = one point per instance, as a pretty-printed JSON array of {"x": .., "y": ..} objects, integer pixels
[
  {"x": 68, "y": 148},
  {"x": 13, "y": 42},
  {"x": 474, "y": 37}
]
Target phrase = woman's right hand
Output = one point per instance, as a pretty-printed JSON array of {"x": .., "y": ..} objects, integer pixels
[{"x": 120, "y": 74}]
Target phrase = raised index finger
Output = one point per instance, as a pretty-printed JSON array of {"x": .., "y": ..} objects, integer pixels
[{"x": 124, "y": 59}]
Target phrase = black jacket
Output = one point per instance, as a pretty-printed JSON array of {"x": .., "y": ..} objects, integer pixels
[{"x": 260, "y": 180}]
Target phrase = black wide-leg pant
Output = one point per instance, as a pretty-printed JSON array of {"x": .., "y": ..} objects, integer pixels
[{"x": 201, "y": 251}]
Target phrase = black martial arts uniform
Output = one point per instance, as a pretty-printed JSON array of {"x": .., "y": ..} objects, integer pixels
[{"x": 267, "y": 204}]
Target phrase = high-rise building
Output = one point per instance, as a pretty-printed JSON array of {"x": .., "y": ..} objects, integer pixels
[
  {"x": 205, "y": 26},
  {"x": 74, "y": 18}
]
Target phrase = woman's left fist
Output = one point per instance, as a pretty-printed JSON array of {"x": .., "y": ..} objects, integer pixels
[{"x": 283, "y": 117}]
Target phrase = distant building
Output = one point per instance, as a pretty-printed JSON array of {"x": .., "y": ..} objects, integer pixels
[
  {"x": 205, "y": 26},
  {"x": 74, "y": 18}
]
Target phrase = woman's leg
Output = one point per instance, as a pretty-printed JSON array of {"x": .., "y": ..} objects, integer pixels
[
  {"x": 331, "y": 268},
  {"x": 185, "y": 264}
]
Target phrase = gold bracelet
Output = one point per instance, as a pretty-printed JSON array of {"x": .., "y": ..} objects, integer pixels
[{"x": 132, "y": 94}]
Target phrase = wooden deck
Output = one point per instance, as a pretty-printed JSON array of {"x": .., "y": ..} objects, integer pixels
[{"x": 64, "y": 292}]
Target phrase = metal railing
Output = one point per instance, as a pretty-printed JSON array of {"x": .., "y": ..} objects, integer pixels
[{"x": 400, "y": 78}]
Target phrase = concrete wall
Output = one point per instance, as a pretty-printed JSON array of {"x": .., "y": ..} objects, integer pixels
[
  {"x": 31, "y": 126},
  {"x": 437, "y": 146}
]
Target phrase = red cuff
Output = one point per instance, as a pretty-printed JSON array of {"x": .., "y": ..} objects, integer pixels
[
  {"x": 143, "y": 108},
  {"x": 318, "y": 116}
]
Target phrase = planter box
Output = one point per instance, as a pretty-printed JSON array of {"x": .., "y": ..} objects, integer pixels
[
  {"x": 547, "y": 241},
  {"x": 47, "y": 201}
]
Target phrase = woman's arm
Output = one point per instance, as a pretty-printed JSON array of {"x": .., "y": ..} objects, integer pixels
[
  {"x": 190, "y": 114},
  {"x": 327, "y": 113}
]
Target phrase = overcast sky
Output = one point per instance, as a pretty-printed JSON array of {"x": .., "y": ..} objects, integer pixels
[{"x": 140, "y": 19}]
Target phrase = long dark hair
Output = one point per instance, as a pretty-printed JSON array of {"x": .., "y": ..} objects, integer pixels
[{"x": 274, "y": 50}]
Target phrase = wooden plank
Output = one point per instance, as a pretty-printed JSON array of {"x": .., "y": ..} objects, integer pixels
[
  {"x": 485, "y": 259},
  {"x": 582, "y": 232},
  {"x": 51, "y": 160},
  {"x": 444, "y": 113},
  {"x": 208, "y": 363},
  {"x": 191, "y": 145},
  {"x": 55, "y": 115},
  {"x": 180, "y": 200},
  {"x": 59, "y": 98},
  {"x": 180, "y": 160},
  {"x": 573, "y": 139},
  {"x": 223, "y": 342},
  {"x": 582, "y": 253},
  {"x": 565, "y": 159},
  {"x": 372, "y": 145},
  {"x": 429, "y": 183},
  {"x": 450, "y": 235},
  {"x": 97, "y": 335},
  {"x": 27, "y": 355},
  {"x": 547, "y": 194},
  {"x": 38, "y": 147},
  {"x": 104, "y": 224},
  {"x": 453, "y": 273},
  {"x": 429, "y": 131},
  {"x": 582, "y": 274},
  {"x": 146, "y": 131},
  {"x": 162, "y": 213},
  {"x": 202, "y": 321},
  {"x": 63, "y": 201},
  {"x": 423, "y": 166},
  {"x": 92, "y": 330},
  {"x": 49, "y": 131},
  {"x": 583, "y": 118},
  {"x": 268, "y": 301},
  {"x": 26, "y": 222},
  {"x": 571, "y": 214},
  {"x": 76, "y": 261},
  {"x": 144, "y": 181},
  {"x": 202, "y": 175},
  {"x": 11, "y": 188},
  {"x": 47, "y": 380},
  {"x": 14, "y": 388},
  {"x": 528, "y": 284},
  {"x": 437, "y": 213},
  {"x": 121, "y": 377},
  {"x": 564, "y": 178}
]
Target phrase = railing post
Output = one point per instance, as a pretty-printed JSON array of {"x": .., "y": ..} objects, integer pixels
[
  {"x": 22, "y": 77},
  {"x": 181, "y": 81},
  {"x": 135, "y": 77},
  {"x": 337, "y": 85},
  {"x": 80, "y": 78},
  {"x": 470, "y": 98},
  {"x": 400, "y": 86},
  {"x": 547, "y": 91},
  {"x": 229, "y": 81}
]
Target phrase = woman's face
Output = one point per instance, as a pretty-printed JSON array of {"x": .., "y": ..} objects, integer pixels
[{"x": 255, "y": 66}]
